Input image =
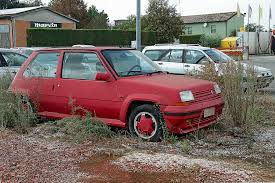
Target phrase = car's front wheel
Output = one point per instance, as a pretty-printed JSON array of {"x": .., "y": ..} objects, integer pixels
[{"x": 145, "y": 123}]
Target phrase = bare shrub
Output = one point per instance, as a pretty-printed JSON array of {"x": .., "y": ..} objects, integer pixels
[
  {"x": 16, "y": 111},
  {"x": 238, "y": 83}
]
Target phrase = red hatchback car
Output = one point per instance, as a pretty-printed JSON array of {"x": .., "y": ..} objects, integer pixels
[{"x": 121, "y": 87}]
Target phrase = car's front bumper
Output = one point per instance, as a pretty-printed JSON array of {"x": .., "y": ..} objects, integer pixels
[{"x": 185, "y": 119}]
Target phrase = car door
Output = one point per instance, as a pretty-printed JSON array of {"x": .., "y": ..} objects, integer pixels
[
  {"x": 40, "y": 80},
  {"x": 194, "y": 61},
  {"x": 78, "y": 84},
  {"x": 174, "y": 64}
]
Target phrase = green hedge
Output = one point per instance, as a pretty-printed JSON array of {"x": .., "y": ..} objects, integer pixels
[
  {"x": 190, "y": 39},
  {"x": 64, "y": 37}
]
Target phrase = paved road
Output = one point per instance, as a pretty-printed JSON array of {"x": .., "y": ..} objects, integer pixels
[{"x": 267, "y": 62}]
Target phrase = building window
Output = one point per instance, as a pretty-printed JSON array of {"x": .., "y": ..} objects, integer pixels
[
  {"x": 213, "y": 29},
  {"x": 189, "y": 30}
]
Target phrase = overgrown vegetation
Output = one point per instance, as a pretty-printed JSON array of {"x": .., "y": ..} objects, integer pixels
[
  {"x": 203, "y": 40},
  {"x": 82, "y": 128},
  {"x": 238, "y": 83},
  {"x": 16, "y": 111},
  {"x": 210, "y": 41},
  {"x": 190, "y": 39}
]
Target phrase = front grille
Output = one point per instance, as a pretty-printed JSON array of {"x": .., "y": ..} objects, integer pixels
[{"x": 206, "y": 95}]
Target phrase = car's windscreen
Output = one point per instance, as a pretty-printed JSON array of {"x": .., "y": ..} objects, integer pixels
[
  {"x": 156, "y": 55},
  {"x": 218, "y": 56},
  {"x": 14, "y": 59},
  {"x": 130, "y": 62}
]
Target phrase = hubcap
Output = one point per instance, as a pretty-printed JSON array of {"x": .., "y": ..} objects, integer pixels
[{"x": 145, "y": 125}]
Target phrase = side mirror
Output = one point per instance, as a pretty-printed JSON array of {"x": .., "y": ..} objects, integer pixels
[{"x": 100, "y": 76}]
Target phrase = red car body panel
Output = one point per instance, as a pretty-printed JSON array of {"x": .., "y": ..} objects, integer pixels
[{"x": 111, "y": 101}]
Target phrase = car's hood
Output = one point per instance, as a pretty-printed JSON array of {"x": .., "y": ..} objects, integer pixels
[{"x": 168, "y": 81}]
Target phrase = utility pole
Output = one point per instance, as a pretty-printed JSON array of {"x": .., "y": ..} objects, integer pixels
[
  {"x": 138, "y": 27},
  {"x": 269, "y": 32}
]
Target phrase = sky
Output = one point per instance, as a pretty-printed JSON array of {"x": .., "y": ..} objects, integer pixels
[{"x": 120, "y": 9}]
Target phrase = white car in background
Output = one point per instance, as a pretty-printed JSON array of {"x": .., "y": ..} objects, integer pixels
[
  {"x": 10, "y": 61},
  {"x": 186, "y": 59}
]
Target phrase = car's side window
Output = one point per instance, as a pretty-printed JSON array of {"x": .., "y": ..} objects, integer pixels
[
  {"x": 193, "y": 56},
  {"x": 14, "y": 59},
  {"x": 83, "y": 66},
  {"x": 43, "y": 65},
  {"x": 176, "y": 56},
  {"x": 166, "y": 56}
]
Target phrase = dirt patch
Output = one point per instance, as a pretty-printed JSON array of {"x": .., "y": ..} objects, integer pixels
[
  {"x": 102, "y": 169},
  {"x": 29, "y": 159}
]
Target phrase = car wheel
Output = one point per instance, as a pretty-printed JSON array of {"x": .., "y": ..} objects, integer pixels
[{"x": 145, "y": 123}]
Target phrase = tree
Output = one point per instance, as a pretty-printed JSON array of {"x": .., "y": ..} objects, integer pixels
[
  {"x": 130, "y": 23},
  {"x": 253, "y": 28},
  {"x": 164, "y": 19},
  {"x": 74, "y": 8},
  {"x": 32, "y": 3},
  {"x": 7, "y": 4},
  {"x": 97, "y": 20}
]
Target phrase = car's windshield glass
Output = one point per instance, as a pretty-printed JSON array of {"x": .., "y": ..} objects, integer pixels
[
  {"x": 218, "y": 56},
  {"x": 14, "y": 59},
  {"x": 130, "y": 62}
]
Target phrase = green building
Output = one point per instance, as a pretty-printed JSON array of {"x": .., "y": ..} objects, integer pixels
[{"x": 218, "y": 24}]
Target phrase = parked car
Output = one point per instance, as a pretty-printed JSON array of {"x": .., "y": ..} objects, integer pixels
[
  {"x": 185, "y": 59},
  {"x": 26, "y": 50},
  {"x": 119, "y": 86},
  {"x": 82, "y": 46},
  {"x": 10, "y": 61}
]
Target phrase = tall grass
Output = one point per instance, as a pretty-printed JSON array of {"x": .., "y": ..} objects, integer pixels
[
  {"x": 238, "y": 83},
  {"x": 16, "y": 111}
]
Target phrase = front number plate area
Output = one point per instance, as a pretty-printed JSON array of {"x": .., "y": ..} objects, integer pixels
[{"x": 209, "y": 112}]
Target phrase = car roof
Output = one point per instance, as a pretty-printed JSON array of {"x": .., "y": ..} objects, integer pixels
[
  {"x": 84, "y": 49},
  {"x": 6, "y": 50},
  {"x": 176, "y": 46}
]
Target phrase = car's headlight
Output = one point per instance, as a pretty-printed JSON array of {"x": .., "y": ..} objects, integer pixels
[
  {"x": 186, "y": 96},
  {"x": 217, "y": 89}
]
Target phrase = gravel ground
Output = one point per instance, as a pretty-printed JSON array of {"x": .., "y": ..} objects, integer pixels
[
  {"x": 220, "y": 171},
  {"x": 30, "y": 159},
  {"x": 44, "y": 156}
]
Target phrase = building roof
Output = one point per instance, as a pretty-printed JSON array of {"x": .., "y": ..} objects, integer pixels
[
  {"x": 18, "y": 11},
  {"x": 206, "y": 18}
]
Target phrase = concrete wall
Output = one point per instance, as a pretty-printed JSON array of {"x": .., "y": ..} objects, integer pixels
[{"x": 258, "y": 43}]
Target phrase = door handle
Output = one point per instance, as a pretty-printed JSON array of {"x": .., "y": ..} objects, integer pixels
[
  {"x": 160, "y": 63},
  {"x": 186, "y": 65}
]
